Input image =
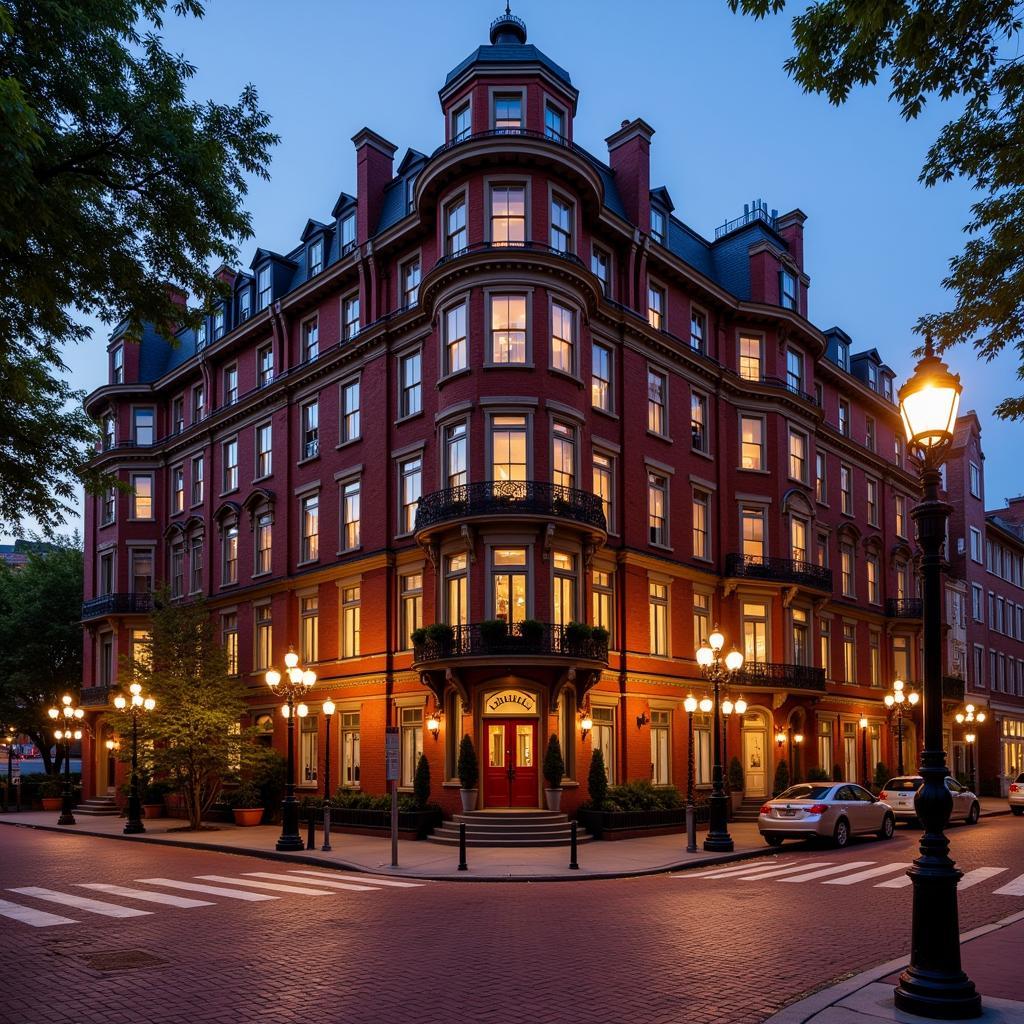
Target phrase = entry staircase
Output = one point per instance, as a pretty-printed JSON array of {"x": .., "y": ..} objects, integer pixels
[
  {"x": 747, "y": 810},
  {"x": 98, "y": 806},
  {"x": 509, "y": 828}
]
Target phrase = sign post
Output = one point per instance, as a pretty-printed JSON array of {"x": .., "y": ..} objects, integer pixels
[
  {"x": 391, "y": 760},
  {"x": 14, "y": 775}
]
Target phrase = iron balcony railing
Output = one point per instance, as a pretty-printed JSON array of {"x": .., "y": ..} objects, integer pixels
[
  {"x": 95, "y": 696},
  {"x": 530, "y": 639},
  {"x": 510, "y": 497},
  {"x": 117, "y": 604},
  {"x": 904, "y": 607},
  {"x": 772, "y": 673},
  {"x": 758, "y": 211},
  {"x": 779, "y": 570}
]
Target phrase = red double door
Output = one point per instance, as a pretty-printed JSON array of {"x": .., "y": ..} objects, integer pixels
[{"x": 510, "y": 776}]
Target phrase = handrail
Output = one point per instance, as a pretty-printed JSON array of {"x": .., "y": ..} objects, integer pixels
[
  {"x": 782, "y": 674},
  {"x": 787, "y": 570},
  {"x": 529, "y": 639}
]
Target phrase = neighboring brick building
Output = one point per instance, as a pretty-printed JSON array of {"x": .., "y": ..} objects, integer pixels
[
  {"x": 987, "y": 554},
  {"x": 506, "y": 382}
]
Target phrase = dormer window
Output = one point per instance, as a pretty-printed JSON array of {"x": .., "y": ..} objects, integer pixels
[
  {"x": 117, "y": 365},
  {"x": 787, "y": 289},
  {"x": 201, "y": 336},
  {"x": 887, "y": 386},
  {"x": 348, "y": 233},
  {"x": 843, "y": 356},
  {"x": 461, "y": 123},
  {"x": 554, "y": 122},
  {"x": 410, "y": 188},
  {"x": 872, "y": 376},
  {"x": 265, "y": 287},
  {"x": 218, "y": 323},
  {"x": 244, "y": 304},
  {"x": 316, "y": 257},
  {"x": 508, "y": 112},
  {"x": 658, "y": 226},
  {"x": 178, "y": 415}
]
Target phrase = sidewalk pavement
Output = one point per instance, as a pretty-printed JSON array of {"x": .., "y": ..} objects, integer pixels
[{"x": 991, "y": 956}]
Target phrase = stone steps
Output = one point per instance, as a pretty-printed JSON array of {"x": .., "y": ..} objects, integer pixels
[
  {"x": 98, "y": 806},
  {"x": 747, "y": 811},
  {"x": 509, "y": 829}
]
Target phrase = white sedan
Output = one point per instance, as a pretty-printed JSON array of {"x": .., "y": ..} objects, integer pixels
[
  {"x": 824, "y": 810},
  {"x": 899, "y": 793},
  {"x": 1017, "y": 795}
]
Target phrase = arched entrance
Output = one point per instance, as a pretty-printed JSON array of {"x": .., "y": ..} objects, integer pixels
[
  {"x": 510, "y": 736},
  {"x": 755, "y": 752},
  {"x": 105, "y": 759}
]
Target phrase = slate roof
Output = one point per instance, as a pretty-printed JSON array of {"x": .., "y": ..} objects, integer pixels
[{"x": 509, "y": 53}]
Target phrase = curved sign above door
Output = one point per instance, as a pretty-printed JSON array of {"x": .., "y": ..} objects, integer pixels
[{"x": 510, "y": 702}]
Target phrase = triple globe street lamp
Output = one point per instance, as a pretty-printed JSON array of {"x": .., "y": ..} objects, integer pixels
[
  {"x": 900, "y": 702},
  {"x": 970, "y": 715},
  {"x": 135, "y": 706},
  {"x": 70, "y": 718}
]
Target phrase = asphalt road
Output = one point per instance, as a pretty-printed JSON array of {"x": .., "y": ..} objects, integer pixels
[{"x": 727, "y": 946}]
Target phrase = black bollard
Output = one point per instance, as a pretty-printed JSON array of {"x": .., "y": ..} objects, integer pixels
[
  {"x": 311, "y": 831},
  {"x": 462, "y": 847},
  {"x": 573, "y": 863},
  {"x": 327, "y": 828}
]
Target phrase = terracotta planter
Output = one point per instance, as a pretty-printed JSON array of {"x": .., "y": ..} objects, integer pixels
[
  {"x": 153, "y": 810},
  {"x": 51, "y": 803},
  {"x": 247, "y": 815}
]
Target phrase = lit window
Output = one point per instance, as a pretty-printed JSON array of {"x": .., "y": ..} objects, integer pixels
[
  {"x": 350, "y": 753},
  {"x": 751, "y": 442},
  {"x": 798, "y": 539},
  {"x": 701, "y": 525},
  {"x": 310, "y": 517},
  {"x": 410, "y": 608},
  {"x": 661, "y": 744},
  {"x": 264, "y": 543},
  {"x": 601, "y": 377},
  {"x": 309, "y": 729},
  {"x": 752, "y": 532},
  {"x": 142, "y": 496},
  {"x": 350, "y": 515},
  {"x": 657, "y": 509},
  {"x": 872, "y": 566},
  {"x": 508, "y": 328},
  {"x": 657, "y": 600},
  {"x": 701, "y": 618},
  {"x": 656, "y": 306},
  {"x": 603, "y": 600},
  {"x": 229, "y": 568},
  {"x": 264, "y": 637},
  {"x": 229, "y": 640},
  {"x": 846, "y": 489},
  {"x": 411, "y": 743},
  {"x": 508, "y": 585},
  {"x": 820, "y": 479},
  {"x": 508, "y": 451},
  {"x": 657, "y": 402},
  {"x": 801, "y": 630},
  {"x": 750, "y": 357},
  {"x": 563, "y": 338},
  {"x": 755, "y": 632},
  {"x": 410, "y": 474},
  {"x": 850, "y": 653},
  {"x": 508, "y": 215},
  {"x": 846, "y": 570},
  {"x": 603, "y": 467},
  {"x": 178, "y": 489},
  {"x": 349, "y": 411},
  {"x": 456, "y": 590}
]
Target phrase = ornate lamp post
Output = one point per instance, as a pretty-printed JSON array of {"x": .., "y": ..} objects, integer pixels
[
  {"x": 135, "y": 706},
  {"x": 328, "y": 710},
  {"x": 934, "y": 984},
  {"x": 900, "y": 702},
  {"x": 11, "y": 736},
  {"x": 68, "y": 715},
  {"x": 970, "y": 715},
  {"x": 728, "y": 707},
  {"x": 292, "y": 688},
  {"x": 690, "y": 706},
  {"x": 718, "y": 670},
  {"x": 864, "y": 752}
]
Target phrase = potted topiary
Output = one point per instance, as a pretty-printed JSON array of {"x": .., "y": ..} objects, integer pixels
[
  {"x": 781, "y": 778},
  {"x": 441, "y": 635},
  {"x": 532, "y": 632},
  {"x": 153, "y": 799},
  {"x": 469, "y": 774},
  {"x": 421, "y": 783},
  {"x": 577, "y": 634},
  {"x": 493, "y": 632},
  {"x": 246, "y": 805},
  {"x": 51, "y": 794},
  {"x": 736, "y": 782},
  {"x": 554, "y": 771}
]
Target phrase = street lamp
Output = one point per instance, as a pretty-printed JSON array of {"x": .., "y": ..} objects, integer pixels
[
  {"x": 12, "y": 735},
  {"x": 864, "y": 751},
  {"x": 294, "y": 685},
  {"x": 970, "y": 737},
  {"x": 68, "y": 715},
  {"x": 328, "y": 710},
  {"x": 900, "y": 702},
  {"x": 718, "y": 670},
  {"x": 970, "y": 715},
  {"x": 728, "y": 706},
  {"x": 934, "y": 984},
  {"x": 135, "y": 706},
  {"x": 690, "y": 705}
]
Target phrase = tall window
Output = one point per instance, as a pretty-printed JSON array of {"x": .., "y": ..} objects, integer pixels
[
  {"x": 350, "y": 316},
  {"x": 801, "y": 626},
  {"x": 657, "y": 402},
  {"x": 563, "y": 338},
  {"x": 109, "y": 505},
  {"x": 820, "y": 480},
  {"x": 264, "y": 444},
  {"x": 874, "y": 592},
  {"x": 870, "y": 434},
  {"x": 178, "y": 489},
  {"x": 602, "y": 596},
  {"x": 244, "y": 304},
  {"x": 455, "y": 236},
  {"x": 825, "y": 646},
  {"x": 310, "y": 516},
  {"x": 875, "y": 658},
  {"x": 264, "y": 287},
  {"x": 311, "y": 429},
  {"x": 699, "y": 422},
  {"x": 656, "y": 306},
  {"x": 850, "y": 652},
  {"x": 657, "y": 226},
  {"x": 702, "y": 748},
  {"x": 825, "y": 752},
  {"x": 600, "y": 264},
  {"x": 508, "y": 111},
  {"x": 561, "y": 225},
  {"x": 455, "y": 339},
  {"x": 554, "y": 122},
  {"x": 196, "y": 566},
  {"x": 701, "y": 618},
  {"x": 871, "y": 489},
  {"x": 410, "y": 474},
  {"x": 350, "y": 749},
  {"x": 563, "y": 586},
  {"x": 461, "y": 125},
  {"x": 107, "y": 659},
  {"x": 198, "y": 472},
  {"x": 265, "y": 365},
  {"x": 142, "y": 570},
  {"x": 787, "y": 289},
  {"x": 309, "y": 728},
  {"x": 794, "y": 370},
  {"x": 309, "y": 616},
  {"x": 508, "y": 328},
  {"x": 846, "y": 569},
  {"x": 661, "y": 744},
  {"x": 348, "y": 233},
  {"x": 455, "y": 455},
  {"x": 229, "y": 567},
  {"x": 264, "y": 542},
  {"x": 411, "y": 739},
  {"x": 901, "y": 516},
  {"x": 106, "y": 581},
  {"x": 657, "y": 508},
  {"x": 110, "y": 432},
  {"x": 701, "y": 525},
  {"x": 230, "y": 384},
  {"x": 143, "y": 421},
  {"x": 798, "y": 455},
  {"x": 975, "y": 479},
  {"x": 310, "y": 339},
  {"x": 657, "y": 599},
  {"x": 563, "y": 455},
  {"x": 603, "y": 468},
  {"x": 410, "y": 376},
  {"x": 604, "y": 737},
  {"x": 750, "y": 357},
  {"x": 752, "y": 526},
  {"x": 117, "y": 365},
  {"x": 846, "y": 489},
  {"x": 508, "y": 448},
  {"x": 410, "y": 607},
  {"x": 411, "y": 283},
  {"x": 751, "y": 442},
  {"x": 142, "y": 496},
  {"x": 508, "y": 584},
  {"x": 601, "y": 377},
  {"x": 264, "y": 637},
  {"x": 508, "y": 214},
  {"x": 844, "y": 417},
  {"x": 350, "y": 515},
  {"x": 456, "y": 590},
  {"x": 349, "y": 411},
  {"x": 316, "y": 257},
  {"x": 798, "y": 539},
  {"x": 351, "y": 613},
  {"x": 698, "y": 331},
  {"x": 229, "y": 640},
  {"x": 755, "y": 632}
]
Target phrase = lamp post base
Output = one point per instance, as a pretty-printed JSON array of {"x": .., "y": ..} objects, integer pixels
[
  {"x": 66, "y": 818},
  {"x": 290, "y": 840},
  {"x": 133, "y": 828}
]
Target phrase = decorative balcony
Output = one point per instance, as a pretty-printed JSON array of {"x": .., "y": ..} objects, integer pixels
[
  {"x": 501, "y": 498},
  {"x": 95, "y": 696},
  {"x": 528, "y": 640},
  {"x": 953, "y": 688},
  {"x": 779, "y": 570},
  {"x": 117, "y": 604},
  {"x": 903, "y": 608},
  {"x": 777, "y": 675}
]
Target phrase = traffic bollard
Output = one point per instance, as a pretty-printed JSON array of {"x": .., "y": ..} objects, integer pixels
[
  {"x": 327, "y": 829},
  {"x": 573, "y": 862},
  {"x": 462, "y": 847},
  {"x": 691, "y": 829},
  {"x": 311, "y": 831}
]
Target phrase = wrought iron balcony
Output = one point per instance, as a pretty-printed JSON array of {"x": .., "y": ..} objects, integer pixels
[
  {"x": 528, "y": 639},
  {"x": 783, "y": 676},
  {"x": 95, "y": 696},
  {"x": 953, "y": 688},
  {"x": 903, "y": 608},
  {"x": 779, "y": 570},
  {"x": 117, "y": 604},
  {"x": 510, "y": 497}
]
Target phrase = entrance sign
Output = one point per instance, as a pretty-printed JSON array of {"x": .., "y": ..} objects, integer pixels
[
  {"x": 391, "y": 772},
  {"x": 510, "y": 702},
  {"x": 16, "y": 774}
]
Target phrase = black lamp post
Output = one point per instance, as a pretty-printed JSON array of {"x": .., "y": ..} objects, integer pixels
[
  {"x": 899, "y": 702},
  {"x": 12, "y": 735},
  {"x": 68, "y": 715},
  {"x": 718, "y": 670},
  {"x": 864, "y": 752},
  {"x": 690, "y": 706},
  {"x": 292, "y": 688},
  {"x": 970, "y": 715},
  {"x": 328, "y": 710},
  {"x": 934, "y": 984},
  {"x": 134, "y": 706}
]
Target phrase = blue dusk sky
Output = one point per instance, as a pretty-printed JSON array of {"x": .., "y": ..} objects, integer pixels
[{"x": 730, "y": 125}]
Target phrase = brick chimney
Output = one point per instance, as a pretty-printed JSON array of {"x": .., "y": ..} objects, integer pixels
[
  {"x": 374, "y": 157},
  {"x": 629, "y": 153},
  {"x": 791, "y": 227}
]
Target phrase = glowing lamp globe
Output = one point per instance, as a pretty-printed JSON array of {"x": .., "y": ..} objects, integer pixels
[
  {"x": 889, "y": 700},
  {"x": 79, "y": 713},
  {"x": 863, "y": 723},
  {"x": 980, "y": 717},
  {"x": 734, "y": 660},
  {"x": 53, "y": 713},
  {"x": 120, "y": 703},
  {"x": 135, "y": 688},
  {"x": 295, "y": 675},
  {"x": 913, "y": 697},
  {"x": 302, "y": 711},
  {"x": 959, "y": 718},
  {"x": 65, "y": 699},
  {"x": 690, "y": 704},
  {"x": 741, "y": 707},
  {"x": 586, "y": 723},
  {"x": 291, "y": 659},
  {"x": 137, "y": 700},
  {"x": 308, "y": 678},
  {"x": 727, "y": 706},
  {"x": 969, "y": 737},
  {"x": 929, "y": 402},
  {"x": 706, "y": 704},
  {"x": 328, "y": 707},
  {"x": 705, "y": 656},
  {"x": 150, "y": 703},
  {"x": 273, "y": 678},
  {"x": 78, "y": 734},
  {"x": 717, "y": 640}
]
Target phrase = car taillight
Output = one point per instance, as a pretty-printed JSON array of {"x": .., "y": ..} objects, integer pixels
[
  {"x": 817, "y": 809},
  {"x": 1014, "y": 788},
  {"x": 767, "y": 809},
  {"x": 883, "y": 795}
]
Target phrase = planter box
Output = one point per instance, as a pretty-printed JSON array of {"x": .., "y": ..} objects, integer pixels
[
  {"x": 416, "y": 824},
  {"x": 51, "y": 803},
  {"x": 629, "y": 824},
  {"x": 247, "y": 816},
  {"x": 153, "y": 810}
]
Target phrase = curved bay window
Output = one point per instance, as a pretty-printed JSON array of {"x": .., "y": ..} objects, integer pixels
[
  {"x": 508, "y": 328},
  {"x": 509, "y": 585},
  {"x": 508, "y": 450}
]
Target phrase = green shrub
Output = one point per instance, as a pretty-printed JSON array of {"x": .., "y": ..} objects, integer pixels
[
  {"x": 49, "y": 786},
  {"x": 354, "y": 800},
  {"x": 469, "y": 766},
  {"x": 736, "y": 780},
  {"x": 418, "y": 636},
  {"x": 600, "y": 635},
  {"x": 817, "y": 775},
  {"x": 493, "y": 631},
  {"x": 245, "y": 795},
  {"x": 440, "y": 633},
  {"x": 881, "y": 775},
  {"x": 531, "y": 630},
  {"x": 554, "y": 765},
  {"x": 577, "y": 633},
  {"x": 597, "y": 780},
  {"x": 641, "y": 795},
  {"x": 837, "y": 773},
  {"x": 155, "y": 791},
  {"x": 781, "y": 778},
  {"x": 421, "y": 783}
]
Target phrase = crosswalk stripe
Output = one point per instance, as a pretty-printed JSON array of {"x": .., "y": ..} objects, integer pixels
[
  {"x": 861, "y": 876},
  {"x": 210, "y": 890},
  {"x": 978, "y": 875},
  {"x": 332, "y": 884},
  {"x": 148, "y": 897},
  {"x": 81, "y": 902},
  {"x": 1014, "y": 888},
  {"x": 29, "y": 915},
  {"x": 900, "y": 882},
  {"x": 301, "y": 890},
  {"x": 755, "y": 876},
  {"x": 724, "y": 872},
  {"x": 372, "y": 879},
  {"x": 834, "y": 870}
]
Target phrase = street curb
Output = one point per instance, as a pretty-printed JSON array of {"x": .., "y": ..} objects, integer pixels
[
  {"x": 298, "y": 858},
  {"x": 805, "y": 1009}
]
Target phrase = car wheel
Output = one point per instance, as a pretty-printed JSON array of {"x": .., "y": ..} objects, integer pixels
[
  {"x": 973, "y": 814},
  {"x": 773, "y": 840},
  {"x": 841, "y": 833},
  {"x": 1018, "y": 811},
  {"x": 888, "y": 829}
]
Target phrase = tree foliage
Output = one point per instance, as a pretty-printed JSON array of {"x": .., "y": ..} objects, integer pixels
[
  {"x": 114, "y": 183},
  {"x": 597, "y": 780},
  {"x": 948, "y": 49},
  {"x": 40, "y": 638}
]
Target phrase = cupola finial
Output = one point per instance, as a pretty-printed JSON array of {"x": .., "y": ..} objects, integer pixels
[{"x": 507, "y": 29}]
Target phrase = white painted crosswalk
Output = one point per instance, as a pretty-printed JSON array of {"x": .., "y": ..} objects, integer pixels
[{"x": 187, "y": 894}]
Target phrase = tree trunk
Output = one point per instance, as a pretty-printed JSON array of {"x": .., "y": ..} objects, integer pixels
[{"x": 42, "y": 742}]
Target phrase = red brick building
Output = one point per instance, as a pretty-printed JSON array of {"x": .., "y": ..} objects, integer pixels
[
  {"x": 987, "y": 555},
  {"x": 506, "y": 382}
]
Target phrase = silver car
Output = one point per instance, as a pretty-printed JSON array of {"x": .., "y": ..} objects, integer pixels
[
  {"x": 900, "y": 792},
  {"x": 1016, "y": 795},
  {"x": 825, "y": 810}
]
